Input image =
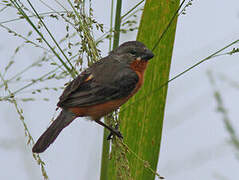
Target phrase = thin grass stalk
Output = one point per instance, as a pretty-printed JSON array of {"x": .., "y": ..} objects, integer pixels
[
  {"x": 92, "y": 45},
  {"x": 109, "y": 119},
  {"x": 111, "y": 24},
  {"x": 73, "y": 71},
  {"x": 133, "y": 8},
  {"x": 21, "y": 11},
  {"x": 40, "y": 14},
  {"x": 26, "y": 130},
  {"x": 117, "y": 24}
]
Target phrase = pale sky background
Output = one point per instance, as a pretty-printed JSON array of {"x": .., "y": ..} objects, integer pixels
[{"x": 195, "y": 143}]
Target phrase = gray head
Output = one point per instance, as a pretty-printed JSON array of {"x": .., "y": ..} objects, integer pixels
[{"x": 134, "y": 49}]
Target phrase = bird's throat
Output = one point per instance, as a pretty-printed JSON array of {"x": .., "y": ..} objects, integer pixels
[{"x": 139, "y": 66}]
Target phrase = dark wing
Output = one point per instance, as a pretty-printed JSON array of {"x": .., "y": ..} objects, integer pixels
[
  {"x": 73, "y": 86},
  {"x": 92, "y": 92}
]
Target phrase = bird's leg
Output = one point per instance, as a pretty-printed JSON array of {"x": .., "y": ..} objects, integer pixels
[
  {"x": 112, "y": 130},
  {"x": 111, "y": 134}
]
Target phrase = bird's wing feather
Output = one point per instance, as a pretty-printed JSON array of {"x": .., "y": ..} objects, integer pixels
[
  {"x": 73, "y": 86},
  {"x": 92, "y": 92}
]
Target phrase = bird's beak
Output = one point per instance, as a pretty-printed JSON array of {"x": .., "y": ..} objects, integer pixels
[{"x": 148, "y": 55}]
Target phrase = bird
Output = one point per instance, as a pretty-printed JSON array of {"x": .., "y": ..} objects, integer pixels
[{"x": 100, "y": 89}]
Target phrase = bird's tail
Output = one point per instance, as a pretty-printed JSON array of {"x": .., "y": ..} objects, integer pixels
[{"x": 49, "y": 136}]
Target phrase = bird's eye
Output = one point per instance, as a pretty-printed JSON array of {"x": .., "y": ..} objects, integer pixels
[{"x": 133, "y": 52}]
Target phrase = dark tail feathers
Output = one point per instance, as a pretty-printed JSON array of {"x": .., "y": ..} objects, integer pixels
[{"x": 49, "y": 136}]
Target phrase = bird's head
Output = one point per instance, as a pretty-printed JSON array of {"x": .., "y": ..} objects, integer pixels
[{"x": 135, "y": 50}]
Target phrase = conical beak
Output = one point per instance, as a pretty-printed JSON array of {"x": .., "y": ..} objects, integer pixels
[{"x": 148, "y": 55}]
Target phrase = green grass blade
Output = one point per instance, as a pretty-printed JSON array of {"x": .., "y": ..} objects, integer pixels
[{"x": 141, "y": 124}]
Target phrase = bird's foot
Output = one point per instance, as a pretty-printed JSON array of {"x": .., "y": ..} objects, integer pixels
[{"x": 115, "y": 132}]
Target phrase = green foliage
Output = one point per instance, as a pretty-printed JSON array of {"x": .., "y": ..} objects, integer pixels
[{"x": 141, "y": 119}]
